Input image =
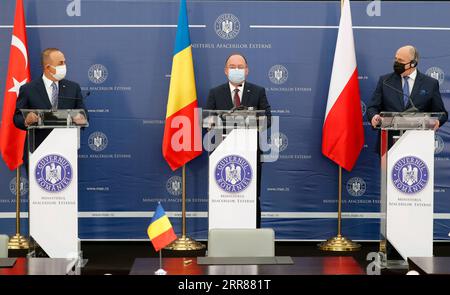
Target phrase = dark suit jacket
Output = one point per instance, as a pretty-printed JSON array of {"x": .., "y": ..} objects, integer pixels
[
  {"x": 425, "y": 96},
  {"x": 219, "y": 98},
  {"x": 34, "y": 96}
]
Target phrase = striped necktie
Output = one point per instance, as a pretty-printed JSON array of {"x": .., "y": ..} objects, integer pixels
[{"x": 54, "y": 98}]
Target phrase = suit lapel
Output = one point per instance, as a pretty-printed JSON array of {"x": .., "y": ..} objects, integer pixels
[
  {"x": 245, "y": 96},
  {"x": 229, "y": 102},
  {"x": 40, "y": 87},
  {"x": 416, "y": 87},
  {"x": 61, "y": 92},
  {"x": 397, "y": 81}
]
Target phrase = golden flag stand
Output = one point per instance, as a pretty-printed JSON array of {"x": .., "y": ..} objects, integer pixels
[
  {"x": 18, "y": 241},
  {"x": 184, "y": 243},
  {"x": 339, "y": 243}
]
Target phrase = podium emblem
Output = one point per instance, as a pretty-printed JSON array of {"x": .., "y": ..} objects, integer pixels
[
  {"x": 23, "y": 186},
  {"x": 410, "y": 175},
  {"x": 436, "y": 73},
  {"x": 174, "y": 186},
  {"x": 98, "y": 73},
  {"x": 356, "y": 186},
  {"x": 363, "y": 108},
  {"x": 278, "y": 74},
  {"x": 53, "y": 173},
  {"x": 233, "y": 174},
  {"x": 98, "y": 141},
  {"x": 280, "y": 140},
  {"x": 438, "y": 144},
  {"x": 227, "y": 26}
]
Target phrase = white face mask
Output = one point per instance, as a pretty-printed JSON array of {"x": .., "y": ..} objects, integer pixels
[
  {"x": 236, "y": 75},
  {"x": 60, "y": 72}
]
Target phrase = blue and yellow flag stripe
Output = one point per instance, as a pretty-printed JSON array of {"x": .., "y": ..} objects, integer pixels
[
  {"x": 182, "y": 91},
  {"x": 159, "y": 227},
  {"x": 159, "y": 224},
  {"x": 160, "y": 230},
  {"x": 182, "y": 39}
]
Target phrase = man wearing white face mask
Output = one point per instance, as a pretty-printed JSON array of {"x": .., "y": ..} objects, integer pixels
[
  {"x": 240, "y": 93},
  {"x": 49, "y": 91},
  {"x": 237, "y": 92}
]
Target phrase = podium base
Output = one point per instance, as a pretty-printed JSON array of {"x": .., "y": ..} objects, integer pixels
[
  {"x": 18, "y": 242},
  {"x": 339, "y": 244},
  {"x": 185, "y": 244}
]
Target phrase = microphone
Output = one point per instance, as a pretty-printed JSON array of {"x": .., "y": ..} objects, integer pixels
[
  {"x": 413, "y": 108},
  {"x": 75, "y": 98},
  {"x": 238, "y": 108}
]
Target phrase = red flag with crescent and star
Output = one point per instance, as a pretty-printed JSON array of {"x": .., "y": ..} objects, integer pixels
[{"x": 12, "y": 139}]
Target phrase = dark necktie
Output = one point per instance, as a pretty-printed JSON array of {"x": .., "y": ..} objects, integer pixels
[
  {"x": 237, "y": 100},
  {"x": 405, "y": 91}
]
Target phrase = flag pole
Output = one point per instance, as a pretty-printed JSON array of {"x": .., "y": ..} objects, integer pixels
[
  {"x": 339, "y": 243},
  {"x": 184, "y": 243},
  {"x": 18, "y": 241},
  {"x": 160, "y": 271}
]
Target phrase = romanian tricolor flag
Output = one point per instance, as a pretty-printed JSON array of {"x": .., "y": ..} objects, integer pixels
[
  {"x": 182, "y": 134},
  {"x": 160, "y": 230}
]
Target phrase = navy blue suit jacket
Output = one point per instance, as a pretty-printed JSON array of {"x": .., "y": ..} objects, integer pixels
[
  {"x": 219, "y": 98},
  {"x": 34, "y": 96},
  {"x": 388, "y": 96}
]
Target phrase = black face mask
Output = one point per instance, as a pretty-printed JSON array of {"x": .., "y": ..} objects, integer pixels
[{"x": 399, "y": 68}]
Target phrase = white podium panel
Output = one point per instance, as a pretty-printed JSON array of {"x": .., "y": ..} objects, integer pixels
[
  {"x": 233, "y": 180},
  {"x": 53, "y": 204},
  {"x": 410, "y": 188}
]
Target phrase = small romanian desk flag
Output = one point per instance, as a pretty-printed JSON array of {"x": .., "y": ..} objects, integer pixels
[{"x": 160, "y": 230}]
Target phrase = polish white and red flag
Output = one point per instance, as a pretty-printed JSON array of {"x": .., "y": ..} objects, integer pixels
[
  {"x": 12, "y": 139},
  {"x": 343, "y": 133}
]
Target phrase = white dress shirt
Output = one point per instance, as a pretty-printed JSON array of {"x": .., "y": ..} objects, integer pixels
[
  {"x": 48, "y": 87},
  {"x": 411, "y": 80},
  {"x": 241, "y": 89}
]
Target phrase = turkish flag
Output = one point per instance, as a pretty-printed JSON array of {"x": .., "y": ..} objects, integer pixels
[
  {"x": 343, "y": 133},
  {"x": 11, "y": 138}
]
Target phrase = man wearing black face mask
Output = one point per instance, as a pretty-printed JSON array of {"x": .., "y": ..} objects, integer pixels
[{"x": 415, "y": 86}]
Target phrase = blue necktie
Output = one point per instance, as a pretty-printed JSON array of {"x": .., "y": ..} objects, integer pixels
[
  {"x": 54, "y": 98},
  {"x": 405, "y": 91}
]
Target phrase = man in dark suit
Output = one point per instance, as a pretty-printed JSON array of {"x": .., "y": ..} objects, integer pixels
[
  {"x": 394, "y": 93},
  {"x": 395, "y": 90},
  {"x": 50, "y": 91},
  {"x": 238, "y": 92}
]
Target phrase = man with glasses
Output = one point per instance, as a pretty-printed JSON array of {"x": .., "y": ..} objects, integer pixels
[
  {"x": 238, "y": 93},
  {"x": 396, "y": 90}
]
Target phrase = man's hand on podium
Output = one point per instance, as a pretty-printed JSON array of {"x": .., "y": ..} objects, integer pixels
[
  {"x": 436, "y": 125},
  {"x": 79, "y": 119},
  {"x": 376, "y": 120},
  {"x": 30, "y": 119}
]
